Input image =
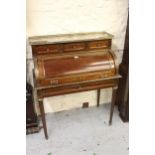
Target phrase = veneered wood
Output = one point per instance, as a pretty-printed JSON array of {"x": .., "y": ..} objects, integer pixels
[
  {"x": 85, "y": 86},
  {"x": 47, "y": 49},
  {"x": 101, "y": 44},
  {"x": 56, "y": 81},
  {"x": 114, "y": 91},
  {"x": 73, "y": 63},
  {"x": 74, "y": 46},
  {"x": 74, "y": 68},
  {"x": 42, "y": 112}
]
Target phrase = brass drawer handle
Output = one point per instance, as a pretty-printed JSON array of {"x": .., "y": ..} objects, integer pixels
[
  {"x": 101, "y": 45},
  {"x": 104, "y": 46},
  {"x": 54, "y": 82},
  {"x": 79, "y": 87},
  {"x": 74, "y": 46},
  {"x": 80, "y": 78},
  {"x": 41, "y": 52}
]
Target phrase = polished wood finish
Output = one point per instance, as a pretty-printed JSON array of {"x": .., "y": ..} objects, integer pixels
[
  {"x": 70, "y": 47},
  {"x": 42, "y": 112},
  {"x": 44, "y": 45},
  {"x": 79, "y": 87},
  {"x": 98, "y": 97},
  {"x": 73, "y": 63},
  {"x": 45, "y": 49},
  {"x": 112, "y": 104},
  {"x": 101, "y": 44},
  {"x": 74, "y": 68},
  {"x": 73, "y": 47}
]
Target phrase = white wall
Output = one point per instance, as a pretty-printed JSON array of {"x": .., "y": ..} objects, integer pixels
[{"x": 69, "y": 16}]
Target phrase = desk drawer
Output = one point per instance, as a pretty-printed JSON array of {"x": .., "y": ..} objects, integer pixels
[
  {"x": 74, "y": 47},
  {"x": 45, "y": 49},
  {"x": 46, "y": 92},
  {"x": 101, "y": 44}
]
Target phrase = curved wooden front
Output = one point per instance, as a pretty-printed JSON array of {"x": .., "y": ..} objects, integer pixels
[{"x": 64, "y": 69}]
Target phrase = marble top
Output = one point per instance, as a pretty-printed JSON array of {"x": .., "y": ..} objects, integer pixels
[{"x": 64, "y": 38}]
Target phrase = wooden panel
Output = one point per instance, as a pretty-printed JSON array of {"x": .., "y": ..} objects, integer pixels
[
  {"x": 75, "y": 88},
  {"x": 64, "y": 69},
  {"x": 76, "y": 78},
  {"x": 75, "y": 65},
  {"x": 101, "y": 44},
  {"x": 74, "y": 47},
  {"x": 45, "y": 49},
  {"x": 69, "y": 47},
  {"x": 72, "y": 63}
]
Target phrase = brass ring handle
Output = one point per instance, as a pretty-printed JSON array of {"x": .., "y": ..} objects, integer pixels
[{"x": 54, "y": 82}]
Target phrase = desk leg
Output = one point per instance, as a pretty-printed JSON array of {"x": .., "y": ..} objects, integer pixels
[
  {"x": 114, "y": 89},
  {"x": 42, "y": 112},
  {"x": 98, "y": 97}
]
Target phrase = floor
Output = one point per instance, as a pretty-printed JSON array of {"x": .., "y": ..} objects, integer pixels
[{"x": 81, "y": 132}]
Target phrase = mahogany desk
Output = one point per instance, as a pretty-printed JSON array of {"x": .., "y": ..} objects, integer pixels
[{"x": 72, "y": 63}]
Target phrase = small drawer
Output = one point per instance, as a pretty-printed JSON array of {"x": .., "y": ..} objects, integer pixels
[
  {"x": 45, "y": 49},
  {"x": 102, "y": 44},
  {"x": 74, "y": 47}
]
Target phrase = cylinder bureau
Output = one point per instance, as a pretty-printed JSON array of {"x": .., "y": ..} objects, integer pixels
[{"x": 71, "y": 63}]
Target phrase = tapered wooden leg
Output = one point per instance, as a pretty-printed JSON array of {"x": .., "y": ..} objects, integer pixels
[
  {"x": 42, "y": 112},
  {"x": 112, "y": 104},
  {"x": 98, "y": 97}
]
